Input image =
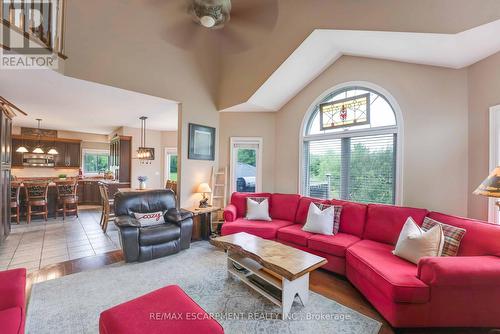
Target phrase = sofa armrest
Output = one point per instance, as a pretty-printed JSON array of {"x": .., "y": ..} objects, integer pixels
[
  {"x": 183, "y": 219},
  {"x": 12, "y": 288},
  {"x": 177, "y": 216},
  {"x": 462, "y": 271},
  {"x": 126, "y": 221},
  {"x": 230, "y": 213}
]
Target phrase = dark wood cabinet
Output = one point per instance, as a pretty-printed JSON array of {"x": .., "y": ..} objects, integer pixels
[
  {"x": 73, "y": 154},
  {"x": 69, "y": 151},
  {"x": 17, "y": 158},
  {"x": 5, "y": 165},
  {"x": 120, "y": 150},
  {"x": 88, "y": 193},
  {"x": 60, "y": 159}
]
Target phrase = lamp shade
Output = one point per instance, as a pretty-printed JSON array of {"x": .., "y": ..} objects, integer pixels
[
  {"x": 22, "y": 149},
  {"x": 204, "y": 188},
  {"x": 491, "y": 185}
]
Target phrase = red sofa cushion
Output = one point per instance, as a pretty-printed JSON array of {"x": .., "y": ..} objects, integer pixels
[
  {"x": 332, "y": 244},
  {"x": 239, "y": 200},
  {"x": 481, "y": 238},
  {"x": 284, "y": 206},
  {"x": 394, "y": 277},
  {"x": 294, "y": 235},
  {"x": 263, "y": 229},
  {"x": 13, "y": 295},
  {"x": 352, "y": 218},
  {"x": 384, "y": 222},
  {"x": 11, "y": 320},
  {"x": 303, "y": 208},
  {"x": 147, "y": 314}
]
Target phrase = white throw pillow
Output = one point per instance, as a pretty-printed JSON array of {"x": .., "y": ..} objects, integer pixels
[
  {"x": 319, "y": 221},
  {"x": 258, "y": 209},
  {"x": 150, "y": 219},
  {"x": 415, "y": 243}
]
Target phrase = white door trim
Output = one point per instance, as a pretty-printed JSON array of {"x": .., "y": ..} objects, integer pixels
[
  {"x": 245, "y": 140},
  {"x": 166, "y": 162},
  {"x": 494, "y": 158}
]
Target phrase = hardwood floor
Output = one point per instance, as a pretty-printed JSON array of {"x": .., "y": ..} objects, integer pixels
[{"x": 325, "y": 283}]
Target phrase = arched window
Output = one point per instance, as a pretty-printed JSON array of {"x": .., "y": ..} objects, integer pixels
[{"x": 350, "y": 147}]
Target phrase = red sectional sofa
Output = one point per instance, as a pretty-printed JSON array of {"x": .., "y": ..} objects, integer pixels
[
  {"x": 461, "y": 291},
  {"x": 12, "y": 301}
]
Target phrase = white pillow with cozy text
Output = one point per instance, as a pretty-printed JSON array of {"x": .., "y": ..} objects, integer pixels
[{"x": 150, "y": 219}]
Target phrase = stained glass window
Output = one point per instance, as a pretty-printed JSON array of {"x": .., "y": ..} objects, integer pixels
[{"x": 345, "y": 112}]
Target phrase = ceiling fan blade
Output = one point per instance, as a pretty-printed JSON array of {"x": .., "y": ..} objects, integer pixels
[
  {"x": 229, "y": 40},
  {"x": 255, "y": 14},
  {"x": 183, "y": 33}
]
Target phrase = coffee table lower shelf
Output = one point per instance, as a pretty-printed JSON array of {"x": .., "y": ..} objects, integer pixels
[{"x": 275, "y": 288}]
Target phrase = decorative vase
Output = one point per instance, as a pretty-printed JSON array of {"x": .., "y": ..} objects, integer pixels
[{"x": 142, "y": 185}]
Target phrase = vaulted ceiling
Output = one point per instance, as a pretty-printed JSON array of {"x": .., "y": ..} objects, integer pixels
[{"x": 135, "y": 45}]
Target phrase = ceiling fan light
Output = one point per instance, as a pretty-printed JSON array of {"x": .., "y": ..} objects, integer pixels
[
  {"x": 38, "y": 150},
  {"x": 22, "y": 149},
  {"x": 208, "y": 21}
]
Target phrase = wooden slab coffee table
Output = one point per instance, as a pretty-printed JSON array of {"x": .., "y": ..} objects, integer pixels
[{"x": 278, "y": 272}]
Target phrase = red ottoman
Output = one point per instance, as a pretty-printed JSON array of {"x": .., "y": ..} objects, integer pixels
[{"x": 167, "y": 310}]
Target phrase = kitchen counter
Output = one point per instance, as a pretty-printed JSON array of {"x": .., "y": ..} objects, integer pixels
[{"x": 88, "y": 190}]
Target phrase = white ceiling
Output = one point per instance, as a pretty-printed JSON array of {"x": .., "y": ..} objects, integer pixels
[
  {"x": 324, "y": 46},
  {"x": 70, "y": 104}
]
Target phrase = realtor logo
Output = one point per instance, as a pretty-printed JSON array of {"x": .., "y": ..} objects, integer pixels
[{"x": 28, "y": 34}]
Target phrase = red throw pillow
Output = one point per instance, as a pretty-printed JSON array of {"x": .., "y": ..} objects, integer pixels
[{"x": 150, "y": 219}]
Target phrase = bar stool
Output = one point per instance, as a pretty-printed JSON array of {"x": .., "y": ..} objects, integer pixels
[
  {"x": 15, "y": 190},
  {"x": 36, "y": 196},
  {"x": 67, "y": 197},
  {"x": 172, "y": 185},
  {"x": 107, "y": 214}
]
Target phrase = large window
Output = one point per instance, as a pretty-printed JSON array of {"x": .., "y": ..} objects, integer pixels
[
  {"x": 350, "y": 146},
  {"x": 95, "y": 161}
]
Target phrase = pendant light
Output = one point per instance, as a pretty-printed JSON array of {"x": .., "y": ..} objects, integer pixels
[
  {"x": 144, "y": 153},
  {"x": 38, "y": 148},
  {"x": 53, "y": 150},
  {"x": 22, "y": 148}
]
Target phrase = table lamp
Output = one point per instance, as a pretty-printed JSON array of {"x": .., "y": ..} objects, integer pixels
[
  {"x": 204, "y": 188},
  {"x": 490, "y": 187}
]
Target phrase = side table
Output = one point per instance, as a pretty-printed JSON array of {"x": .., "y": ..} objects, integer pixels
[{"x": 205, "y": 216}]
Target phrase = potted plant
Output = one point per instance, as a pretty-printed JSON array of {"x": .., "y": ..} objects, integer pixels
[
  {"x": 142, "y": 182},
  {"x": 62, "y": 177}
]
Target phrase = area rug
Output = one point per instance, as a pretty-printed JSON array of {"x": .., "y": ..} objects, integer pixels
[{"x": 72, "y": 304}]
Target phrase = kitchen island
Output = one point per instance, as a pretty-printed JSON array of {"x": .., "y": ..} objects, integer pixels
[{"x": 88, "y": 191}]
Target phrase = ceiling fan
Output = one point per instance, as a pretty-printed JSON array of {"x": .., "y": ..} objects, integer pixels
[{"x": 233, "y": 25}]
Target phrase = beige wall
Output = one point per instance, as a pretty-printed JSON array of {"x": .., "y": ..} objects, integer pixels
[
  {"x": 153, "y": 169},
  {"x": 433, "y": 102},
  {"x": 484, "y": 92},
  {"x": 125, "y": 44},
  {"x": 243, "y": 73},
  {"x": 250, "y": 125}
]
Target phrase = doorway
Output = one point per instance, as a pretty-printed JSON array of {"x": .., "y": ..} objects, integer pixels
[{"x": 246, "y": 164}]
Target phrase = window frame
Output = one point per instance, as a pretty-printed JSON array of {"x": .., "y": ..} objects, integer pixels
[
  {"x": 232, "y": 158},
  {"x": 393, "y": 129},
  {"x": 97, "y": 152},
  {"x": 169, "y": 151}
]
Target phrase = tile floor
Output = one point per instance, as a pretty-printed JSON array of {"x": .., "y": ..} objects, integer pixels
[{"x": 42, "y": 243}]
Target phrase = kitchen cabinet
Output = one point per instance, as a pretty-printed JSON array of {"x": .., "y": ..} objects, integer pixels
[
  {"x": 5, "y": 165},
  {"x": 88, "y": 192},
  {"x": 69, "y": 150},
  {"x": 60, "y": 159},
  {"x": 17, "y": 158},
  {"x": 120, "y": 150},
  {"x": 73, "y": 154}
]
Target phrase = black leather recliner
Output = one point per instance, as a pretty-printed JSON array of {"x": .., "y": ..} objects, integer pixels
[{"x": 151, "y": 242}]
